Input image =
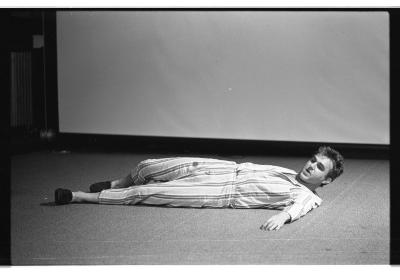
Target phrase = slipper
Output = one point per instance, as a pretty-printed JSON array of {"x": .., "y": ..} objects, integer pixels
[{"x": 62, "y": 196}]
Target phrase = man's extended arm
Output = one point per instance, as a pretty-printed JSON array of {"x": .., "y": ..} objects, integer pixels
[{"x": 303, "y": 203}]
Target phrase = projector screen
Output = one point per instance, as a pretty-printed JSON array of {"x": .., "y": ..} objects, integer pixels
[{"x": 317, "y": 76}]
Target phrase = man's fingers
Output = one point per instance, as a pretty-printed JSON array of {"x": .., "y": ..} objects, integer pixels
[
  {"x": 272, "y": 226},
  {"x": 263, "y": 227}
]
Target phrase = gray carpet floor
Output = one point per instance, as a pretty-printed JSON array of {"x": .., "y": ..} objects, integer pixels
[{"x": 350, "y": 227}]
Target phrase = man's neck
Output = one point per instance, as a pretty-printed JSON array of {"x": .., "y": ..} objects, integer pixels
[{"x": 309, "y": 186}]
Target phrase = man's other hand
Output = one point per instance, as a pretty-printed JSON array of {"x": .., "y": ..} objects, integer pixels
[{"x": 276, "y": 221}]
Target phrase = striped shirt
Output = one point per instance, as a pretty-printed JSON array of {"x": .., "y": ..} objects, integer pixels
[{"x": 203, "y": 182}]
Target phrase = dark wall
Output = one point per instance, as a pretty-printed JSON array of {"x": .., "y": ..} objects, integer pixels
[{"x": 23, "y": 25}]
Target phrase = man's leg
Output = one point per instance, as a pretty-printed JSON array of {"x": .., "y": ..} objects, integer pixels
[
  {"x": 118, "y": 183},
  {"x": 158, "y": 170},
  {"x": 199, "y": 190},
  {"x": 170, "y": 169},
  {"x": 151, "y": 170},
  {"x": 124, "y": 182},
  {"x": 65, "y": 196},
  {"x": 165, "y": 169},
  {"x": 85, "y": 197},
  {"x": 139, "y": 176}
]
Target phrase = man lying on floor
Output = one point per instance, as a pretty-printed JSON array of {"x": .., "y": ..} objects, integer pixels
[{"x": 204, "y": 182}]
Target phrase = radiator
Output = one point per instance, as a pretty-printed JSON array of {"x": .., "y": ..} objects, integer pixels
[{"x": 21, "y": 90}]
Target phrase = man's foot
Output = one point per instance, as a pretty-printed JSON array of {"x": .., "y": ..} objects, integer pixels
[
  {"x": 62, "y": 196},
  {"x": 98, "y": 187}
]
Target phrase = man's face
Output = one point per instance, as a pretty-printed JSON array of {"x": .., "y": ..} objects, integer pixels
[{"x": 315, "y": 170}]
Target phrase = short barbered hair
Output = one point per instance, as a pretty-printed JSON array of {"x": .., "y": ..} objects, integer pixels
[{"x": 336, "y": 158}]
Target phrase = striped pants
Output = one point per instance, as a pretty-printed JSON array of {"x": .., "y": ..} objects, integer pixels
[{"x": 178, "y": 182}]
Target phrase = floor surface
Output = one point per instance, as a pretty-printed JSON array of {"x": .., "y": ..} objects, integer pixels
[{"x": 350, "y": 227}]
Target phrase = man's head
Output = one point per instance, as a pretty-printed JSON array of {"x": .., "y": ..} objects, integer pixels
[{"x": 324, "y": 167}]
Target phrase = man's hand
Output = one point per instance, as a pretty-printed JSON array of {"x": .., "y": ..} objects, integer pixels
[{"x": 276, "y": 221}]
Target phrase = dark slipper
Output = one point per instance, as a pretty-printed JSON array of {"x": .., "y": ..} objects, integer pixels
[
  {"x": 98, "y": 187},
  {"x": 62, "y": 196}
]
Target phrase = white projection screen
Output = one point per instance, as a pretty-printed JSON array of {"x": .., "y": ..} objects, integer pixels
[{"x": 309, "y": 76}]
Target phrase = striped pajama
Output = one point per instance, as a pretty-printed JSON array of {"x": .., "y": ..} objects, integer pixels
[{"x": 205, "y": 182}]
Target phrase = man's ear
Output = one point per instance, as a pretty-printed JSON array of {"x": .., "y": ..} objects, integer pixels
[{"x": 326, "y": 181}]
